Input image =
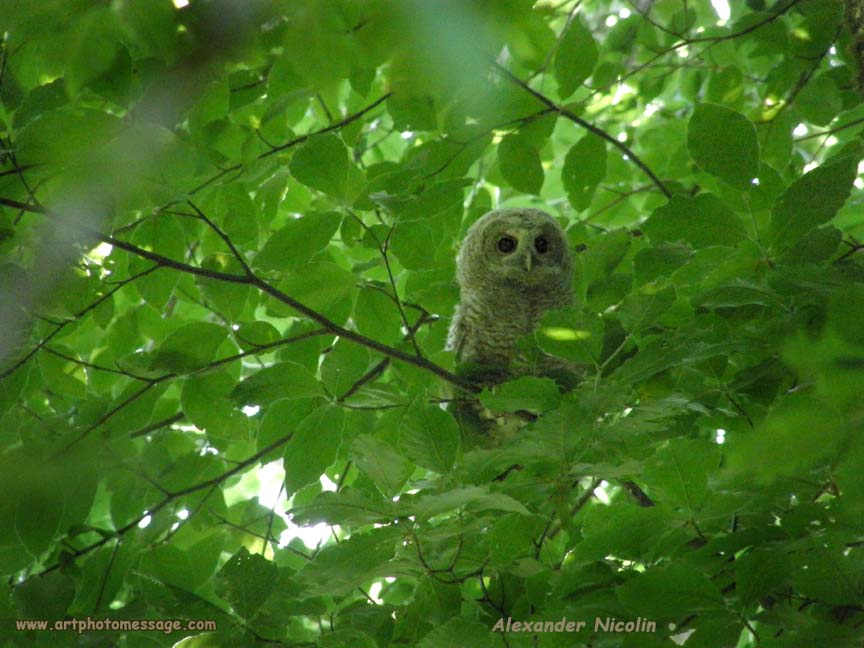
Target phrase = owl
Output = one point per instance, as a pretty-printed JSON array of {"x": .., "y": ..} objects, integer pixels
[{"x": 513, "y": 266}]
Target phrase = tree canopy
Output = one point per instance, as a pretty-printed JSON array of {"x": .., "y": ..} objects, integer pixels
[{"x": 227, "y": 241}]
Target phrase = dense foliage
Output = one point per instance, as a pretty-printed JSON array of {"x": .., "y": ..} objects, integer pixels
[{"x": 228, "y": 233}]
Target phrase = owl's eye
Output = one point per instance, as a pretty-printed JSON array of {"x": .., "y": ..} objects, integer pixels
[
  {"x": 541, "y": 244},
  {"x": 506, "y": 244}
]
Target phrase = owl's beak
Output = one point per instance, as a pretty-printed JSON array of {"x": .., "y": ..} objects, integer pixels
[{"x": 529, "y": 260}]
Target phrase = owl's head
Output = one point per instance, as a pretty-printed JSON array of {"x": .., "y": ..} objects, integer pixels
[{"x": 522, "y": 247}]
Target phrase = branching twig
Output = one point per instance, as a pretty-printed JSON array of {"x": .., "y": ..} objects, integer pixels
[
  {"x": 584, "y": 124},
  {"x": 263, "y": 286}
]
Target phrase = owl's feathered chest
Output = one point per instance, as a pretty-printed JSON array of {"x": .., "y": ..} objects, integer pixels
[{"x": 488, "y": 323}]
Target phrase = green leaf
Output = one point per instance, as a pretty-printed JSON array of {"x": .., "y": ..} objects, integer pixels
[
  {"x": 520, "y": 164},
  {"x": 345, "y": 363},
  {"x": 701, "y": 221},
  {"x": 149, "y": 24},
  {"x": 829, "y": 574},
  {"x": 807, "y": 431},
  {"x": 670, "y": 593},
  {"x": 584, "y": 168},
  {"x": 575, "y": 58},
  {"x": 64, "y": 135},
  {"x": 339, "y": 568},
  {"x": 94, "y": 48},
  {"x": 281, "y": 380},
  {"x": 377, "y": 315},
  {"x": 760, "y": 572},
  {"x": 165, "y": 235},
  {"x": 206, "y": 403},
  {"x": 246, "y": 581},
  {"x": 319, "y": 285},
  {"x": 576, "y": 335},
  {"x": 190, "y": 347},
  {"x": 627, "y": 531},
  {"x": 458, "y": 632},
  {"x": 527, "y": 393},
  {"x": 313, "y": 447},
  {"x": 348, "y": 507},
  {"x": 381, "y": 463},
  {"x": 723, "y": 143},
  {"x": 298, "y": 241},
  {"x": 229, "y": 299},
  {"x": 412, "y": 112},
  {"x": 282, "y": 418},
  {"x": 414, "y": 245},
  {"x": 819, "y": 100},
  {"x": 813, "y": 199},
  {"x": 659, "y": 262},
  {"x": 642, "y": 309},
  {"x": 322, "y": 163},
  {"x": 677, "y": 475},
  {"x": 429, "y": 437}
]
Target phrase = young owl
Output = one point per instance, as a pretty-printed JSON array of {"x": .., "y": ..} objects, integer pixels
[{"x": 512, "y": 267}]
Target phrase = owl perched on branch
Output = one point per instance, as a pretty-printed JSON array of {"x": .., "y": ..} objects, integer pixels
[{"x": 512, "y": 267}]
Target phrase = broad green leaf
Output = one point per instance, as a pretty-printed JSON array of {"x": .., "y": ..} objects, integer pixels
[
  {"x": 252, "y": 335},
  {"x": 429, "y": 437},
  {"x": 414, "y": 245},
  {"x": 847, "y": 306},
  {"x": 527, "y": 393},
  {"x": 64, "y": 135},
  {"x": 348, "y": 507},
  {"x": 282, "y": 418},
  {"x": 575, "y": 58},
  {"x": 62, "y": 373},
  {"x": 723, "y": 143},
  {"x": 520, "y": 164},
  {"x": 761, "y": 572},
  {"x": 165, "y": 235},
  {"x": 819, "y": 100},
  {"x": 677, "y": 475},
  {"x": 377, "y": 315},
  {"x": 642, "y": 309},
  {"x": 205, "y": 402},
  {"x": 190, "y": 347},
  {"x": 381, "y": 463},
  {"x": 149, "y": 24},
  {"x": 344, "y": 364},
  {"x": 336, "y": 569},
  {"x": 227, "y": 298},
  {"x": 659, "y": 262},
  {"x": 604, "y": 254},
  {"x": 807, "y": 431},
  {"x": 313, "y": 447},
  {"x": 813, "y": 199},
  {"x": 459, "y": 632},
  {"x": 628, "y": 531},
  {"x": 584, "y": 168},
  {"x": 829, "y": 574},
  {"x": 701, "y": 221},
  {"x": 281, "y": 380},
  {"x": 95, "y": 45},
  {"x": 246, "y": 581},
  {"x": 668, "y": 593},
  {"x": 232, "y": 208},
  {"x": 412, "y": 112},
  {"x": 319, "y": 285},
  {"x": 575, "y": 335},
  {"x": 298, "y": 241},
  {"x": 322, "y": 163}
]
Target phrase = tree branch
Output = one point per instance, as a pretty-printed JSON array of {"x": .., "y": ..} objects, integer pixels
[
  {"x": 584, "y": 124},
  {"x": 263, "y": 286}
]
